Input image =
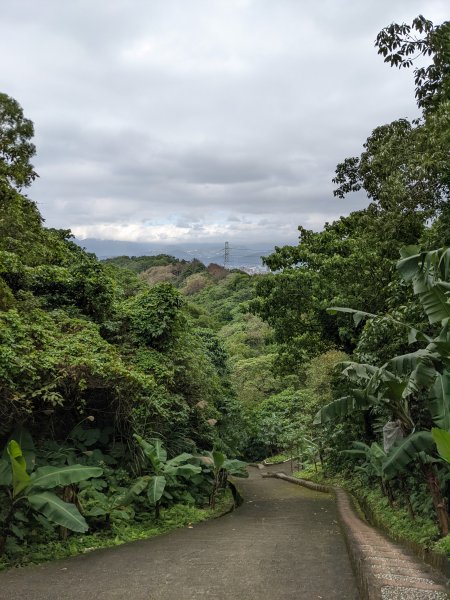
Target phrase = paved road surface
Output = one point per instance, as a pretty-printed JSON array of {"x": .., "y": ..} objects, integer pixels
[{"x": 283, "y": 543}]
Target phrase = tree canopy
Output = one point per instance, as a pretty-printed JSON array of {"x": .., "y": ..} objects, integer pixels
[{"x": 16, "y": 147}]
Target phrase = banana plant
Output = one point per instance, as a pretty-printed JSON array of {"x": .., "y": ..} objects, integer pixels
[
  {"x": 166, "y": 475},
  {"x": 221, "y": 468},
  {"x": 423, "y": 374},
  {"x": 426, "y": 370},
  {"x": 382, "y": 387},
  {"x": 373, "y": 457},
  {"x": 27, "y": 487}
]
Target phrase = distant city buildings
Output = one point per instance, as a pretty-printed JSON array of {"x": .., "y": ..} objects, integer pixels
[{"x": 255, "y": 270}]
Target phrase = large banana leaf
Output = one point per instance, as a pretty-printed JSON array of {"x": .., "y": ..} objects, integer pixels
[
  {"x": 410, "y": 256},
  {"x": 442, "y": 440},
  {"x": 435, "y": 303},
  {"x": 359, "y": 448},
  {"x": 422, "y": 377},
  {"x": 140, "y": 485},
  {"x": 156, "y": 488},
  {"x": 393, "y": 390},
  {"x": 406, "y": 451},
  {"x": 219, "y": 459},
  {"x": 187, "y": 470},
  {"x": 50, "y": 477},
  {"x": 181, "y": 458},
  {"x": 418, "y": 366},
  {"x": 354, "y": 452},
  {"x": 57, "y": 511},
  {"x": 23, "y": 437},
  {"x": 153, "y": 450},
  {"x": 159, "y": 449},
  {"x": 373, "y": 452},
  {"x": 439, "y": 401},
  {"x": 440, "y": 345},
  {"x": 424, "y": 270},
  {"x": 405, "y": 363},
  {"x": 235, "y": 467},
  {"x": 359, "y": 371},
  {"x": 377, "y": 451},
  {"x": 20, "y": 477},
  {"x": 343, "y": 407},
  {"x": 431, "y": 265}
]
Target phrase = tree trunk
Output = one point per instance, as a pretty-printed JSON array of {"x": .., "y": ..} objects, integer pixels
[
  {"x": 439, "y": 501},
  {"x": 70, "y": 494}
]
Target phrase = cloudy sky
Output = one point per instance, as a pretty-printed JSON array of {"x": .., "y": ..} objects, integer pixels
[{"x": 200, "y": 120}]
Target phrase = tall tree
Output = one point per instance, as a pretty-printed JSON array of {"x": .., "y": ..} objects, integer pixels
[
  {"x": 16, "y": 147},
  {"x": 402, "y": 44},
  {"x": 405, "y": 172}
]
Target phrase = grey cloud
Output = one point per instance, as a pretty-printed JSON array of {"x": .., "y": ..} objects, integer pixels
[{"x": 227, "y": 118}]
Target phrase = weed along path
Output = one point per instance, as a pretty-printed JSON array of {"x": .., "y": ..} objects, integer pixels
[{"x": 283, "y": 543}]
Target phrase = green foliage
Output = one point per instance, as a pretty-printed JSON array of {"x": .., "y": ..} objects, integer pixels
[
  {"x": 18, "y": 487},
  {"x": 402, "y": 44},
  {"x": 410, "y": 449},
  {"x": 247, "y": 336},
  {"x": 16, "y": 148},
  {"x": 441, "y": 438},
  {"x": 373, "y": 456},
  {"x": 168, "y": 476},
  {"x": 345, "y": 264},
  {"x": 429, "y": 274},
  {"x": 92, "y": 352},
  {"x": 420, "y": 378},
  {"x": 225, "y": 300},
  {"x": 154, "y": 314},
  {"x": 253, "y": 379},
  {"x": 121, "y": 532},
  {"x": 137, "y": 264},
  {"x": 221, "y": 467}
]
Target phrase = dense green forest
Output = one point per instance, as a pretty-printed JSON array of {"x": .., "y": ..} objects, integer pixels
[{"x": 131, "y": 387}]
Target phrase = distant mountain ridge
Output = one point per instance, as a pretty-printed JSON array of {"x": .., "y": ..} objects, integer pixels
[{"x": 239, "y": 256}]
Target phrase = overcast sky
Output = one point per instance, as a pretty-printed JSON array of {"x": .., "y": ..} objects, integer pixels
[{"x": 200, "y": 120}]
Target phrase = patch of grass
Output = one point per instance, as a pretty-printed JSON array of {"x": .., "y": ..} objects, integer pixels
[
  {"x": 172, "y": 518},
  {"x": 396, "y": 521},
  {"x": 277, "y": 458},
  {"x": 312, "y": 473},
  {"x": 443, "y": 545}
]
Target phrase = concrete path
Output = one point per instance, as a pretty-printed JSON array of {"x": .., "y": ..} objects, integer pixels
[{"x": 283, "y": 543}]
